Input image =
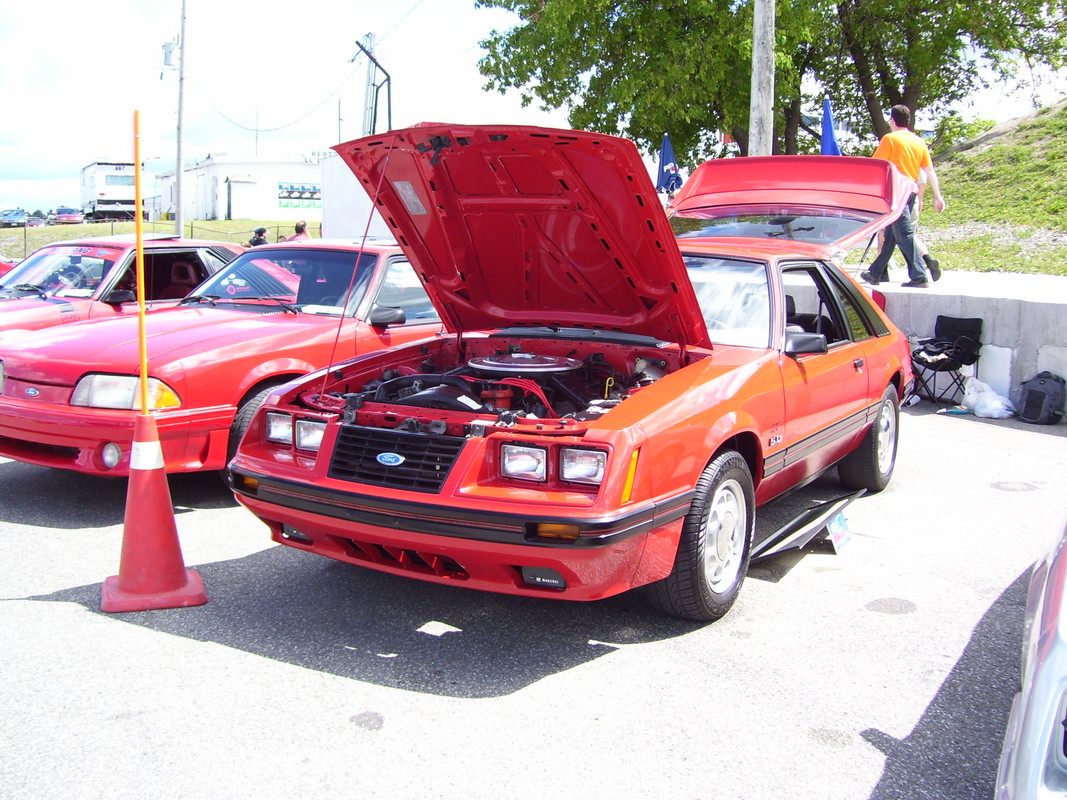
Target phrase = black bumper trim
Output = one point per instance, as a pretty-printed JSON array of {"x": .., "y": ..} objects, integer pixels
[{"x": 438, "y": 520}]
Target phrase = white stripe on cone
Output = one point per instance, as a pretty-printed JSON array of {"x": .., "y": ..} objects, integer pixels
[{"x": 146, "y": 455}]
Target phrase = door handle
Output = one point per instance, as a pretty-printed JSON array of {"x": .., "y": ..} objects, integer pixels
[{"x": 858, "y": 363}]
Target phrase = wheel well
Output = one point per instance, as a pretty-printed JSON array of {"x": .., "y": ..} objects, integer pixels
[
  {"x": 256, "y": 388},
  {"x": 748, "y": 446}
]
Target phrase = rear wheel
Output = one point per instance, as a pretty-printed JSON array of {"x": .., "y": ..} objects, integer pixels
[
  {"x": 716, "y": 541},
  {"x": 870, "y": 466}
]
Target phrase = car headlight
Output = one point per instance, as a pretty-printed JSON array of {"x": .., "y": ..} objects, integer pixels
[
  {"x": 582, "y": 466},
  {"x": 522, "y": 462},
  {"x": 122, "y": 391},
  {"x": 309, "y": 434},
  {"x": 279, "y": 428}
]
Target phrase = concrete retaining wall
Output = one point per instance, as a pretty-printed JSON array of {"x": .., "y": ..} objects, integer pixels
[{"x": 1024, "y": 321}]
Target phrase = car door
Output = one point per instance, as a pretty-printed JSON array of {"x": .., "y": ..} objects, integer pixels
[{"x": 826, "y": 394}]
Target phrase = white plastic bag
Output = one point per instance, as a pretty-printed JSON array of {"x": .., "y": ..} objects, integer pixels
[{"x": 983, "y": 401}]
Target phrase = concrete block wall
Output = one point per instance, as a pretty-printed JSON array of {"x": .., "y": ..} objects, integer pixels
[{"x": 1024, "y": 321}]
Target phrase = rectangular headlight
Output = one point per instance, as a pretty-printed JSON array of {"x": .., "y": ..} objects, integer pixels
[
  {"x": 522, "y": 462},
  {"x": 279, "y": 428},
  {"x": 122, "y": 391},
  {"x": 309, "y": 434},
  {"x": 582, "y": 466}
]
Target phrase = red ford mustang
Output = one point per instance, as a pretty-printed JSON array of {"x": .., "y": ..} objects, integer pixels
[
  {"x": 68, "y": 395},
  {"x": 94, "y": 278},
  {"x": 611, "y": 403}
]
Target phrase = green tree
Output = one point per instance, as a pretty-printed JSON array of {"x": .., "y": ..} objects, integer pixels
[{"x": 641, "y": 67}]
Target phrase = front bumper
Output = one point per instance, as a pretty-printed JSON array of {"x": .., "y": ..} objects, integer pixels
[
  {"x": 472, "y": 547},
  {"x": 74, "y": 438}
]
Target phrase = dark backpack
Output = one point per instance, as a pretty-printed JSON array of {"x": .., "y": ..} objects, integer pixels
[{"x": 1042, "y": 400}]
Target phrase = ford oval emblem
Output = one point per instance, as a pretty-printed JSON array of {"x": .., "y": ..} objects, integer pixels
[
  {"x": 31, "y": 392},
  {"x": 389, "y": 459}
]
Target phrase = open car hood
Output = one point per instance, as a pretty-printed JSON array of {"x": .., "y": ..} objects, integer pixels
[
  {"x": 514, "y": 225},
  {"x": 837, "y": 201}
]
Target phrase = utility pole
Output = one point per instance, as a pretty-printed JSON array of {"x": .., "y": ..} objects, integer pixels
[
  {"x": 760, "y": 111},
  {"x": 179, "y": 217},
  {"x": 370, "y": 97},
  {"x": 370, "y": 108}
]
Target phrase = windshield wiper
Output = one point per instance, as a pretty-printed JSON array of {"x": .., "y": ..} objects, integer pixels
[
  {"x": 30, "y": 287},
  {"x": 283, "y": 304},
  {"x": 258, "y": 299},
  {"x": 200, "y": 298}
]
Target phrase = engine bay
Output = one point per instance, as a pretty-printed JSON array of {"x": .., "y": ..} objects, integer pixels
[{"x": 496, "y": 386}]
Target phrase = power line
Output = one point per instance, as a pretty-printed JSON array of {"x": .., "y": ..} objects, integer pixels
[{"x": 324, "y": 100}]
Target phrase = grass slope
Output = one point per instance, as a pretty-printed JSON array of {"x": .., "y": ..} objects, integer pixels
[{"x": 1007, "y": 199}]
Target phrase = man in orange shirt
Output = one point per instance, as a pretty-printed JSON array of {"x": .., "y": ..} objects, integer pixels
[{"x": 908, "y": 152}]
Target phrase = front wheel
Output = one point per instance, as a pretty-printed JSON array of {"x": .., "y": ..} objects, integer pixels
[
  {"x": 716, "y": 541},
  {"x": 870, "y": 466},
  {"x": 242, "y": 419}
]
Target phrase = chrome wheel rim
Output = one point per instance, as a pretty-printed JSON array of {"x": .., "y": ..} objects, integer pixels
[
  {"x": 724, "y": 536},
  {"x": 887, "y": 438}
]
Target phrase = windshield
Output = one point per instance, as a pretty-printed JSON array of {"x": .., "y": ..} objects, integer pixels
[
  {"x": 817, "y": 224},
  {"x": 315, "y": 281},
  {"x": 65, "y": 271},
  {"x": 734, "y": 296}
]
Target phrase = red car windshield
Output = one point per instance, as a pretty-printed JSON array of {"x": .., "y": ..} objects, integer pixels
[
  {"x": 316, "y": 281},
  {"x": 65, "y": 271}
]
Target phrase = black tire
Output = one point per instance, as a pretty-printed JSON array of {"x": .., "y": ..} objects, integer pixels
[
  {"x": 716, "y": 541},
  {"x": 870, "y": 466},
  {"x": 241, "y": 420}
]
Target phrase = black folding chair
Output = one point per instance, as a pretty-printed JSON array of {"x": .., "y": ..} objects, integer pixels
[{"x": 955, "y": 344}]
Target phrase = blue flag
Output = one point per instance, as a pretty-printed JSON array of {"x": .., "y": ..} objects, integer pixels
[
  {"x": 829, "y": 146},
  {"x": 669, "y": 180}
]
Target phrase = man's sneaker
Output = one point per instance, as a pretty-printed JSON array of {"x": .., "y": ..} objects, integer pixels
[
  {"x": 916, "y": 284},
  {"x": 933, "y": 266},
  {"x": 869, "y": 278}
]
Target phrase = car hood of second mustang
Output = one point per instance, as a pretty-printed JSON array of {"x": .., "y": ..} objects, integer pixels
[{"x": 512, "y": 225}]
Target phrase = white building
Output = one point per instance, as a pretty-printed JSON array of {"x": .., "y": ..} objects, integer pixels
[
  {"x": 345, "y": 204},
  {"x": 226, "y": 187}
]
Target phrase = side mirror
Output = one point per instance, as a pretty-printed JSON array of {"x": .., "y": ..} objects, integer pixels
[
  {"x": 384, "y": 316},
  {"x": 800, "y": 344},
  {"x": 117, "y": 297}
]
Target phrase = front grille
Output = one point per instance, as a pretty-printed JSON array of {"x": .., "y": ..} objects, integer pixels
[{"x": 426, "y": 458}]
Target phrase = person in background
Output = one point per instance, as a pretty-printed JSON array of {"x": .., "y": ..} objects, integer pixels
[
  {"x": 301, "y": 232},
  {"x": 909, "y": 153},
  {"x": 259, "y": 238}
]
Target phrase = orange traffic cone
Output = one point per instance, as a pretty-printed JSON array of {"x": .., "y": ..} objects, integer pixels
[{"x": 151, "y": 571}]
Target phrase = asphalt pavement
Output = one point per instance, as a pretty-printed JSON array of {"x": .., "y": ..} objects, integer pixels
[{"x": 883, "y": 671}]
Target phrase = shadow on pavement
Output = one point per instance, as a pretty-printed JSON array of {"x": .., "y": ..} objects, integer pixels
[
  {"x": 943, "y": 757},
  {"x": 394, "y": 631},
  {"x": 76, "y": 500}
]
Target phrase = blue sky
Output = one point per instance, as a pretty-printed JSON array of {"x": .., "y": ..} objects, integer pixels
[{"x": 72, "y": 75}]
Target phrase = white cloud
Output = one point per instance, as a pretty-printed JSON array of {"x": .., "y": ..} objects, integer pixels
[{"x": 73, "y": 77}]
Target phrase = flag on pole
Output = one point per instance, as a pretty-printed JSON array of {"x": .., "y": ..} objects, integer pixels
[
  {"x": 669, "y": 180},
  {"x": 829, "y": 146}
]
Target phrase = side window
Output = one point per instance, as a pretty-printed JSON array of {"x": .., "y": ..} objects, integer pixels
[
  {"x": 813, "y": 306},
  {"x": 172, "y": 275},
  {"x": 401, "y": 288}
]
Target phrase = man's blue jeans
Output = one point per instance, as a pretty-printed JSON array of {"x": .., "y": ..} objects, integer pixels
[{"x": 901, "y": 233}]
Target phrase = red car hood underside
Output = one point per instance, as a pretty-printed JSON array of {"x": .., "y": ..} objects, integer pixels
[{"x": 512, "y": 225}]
